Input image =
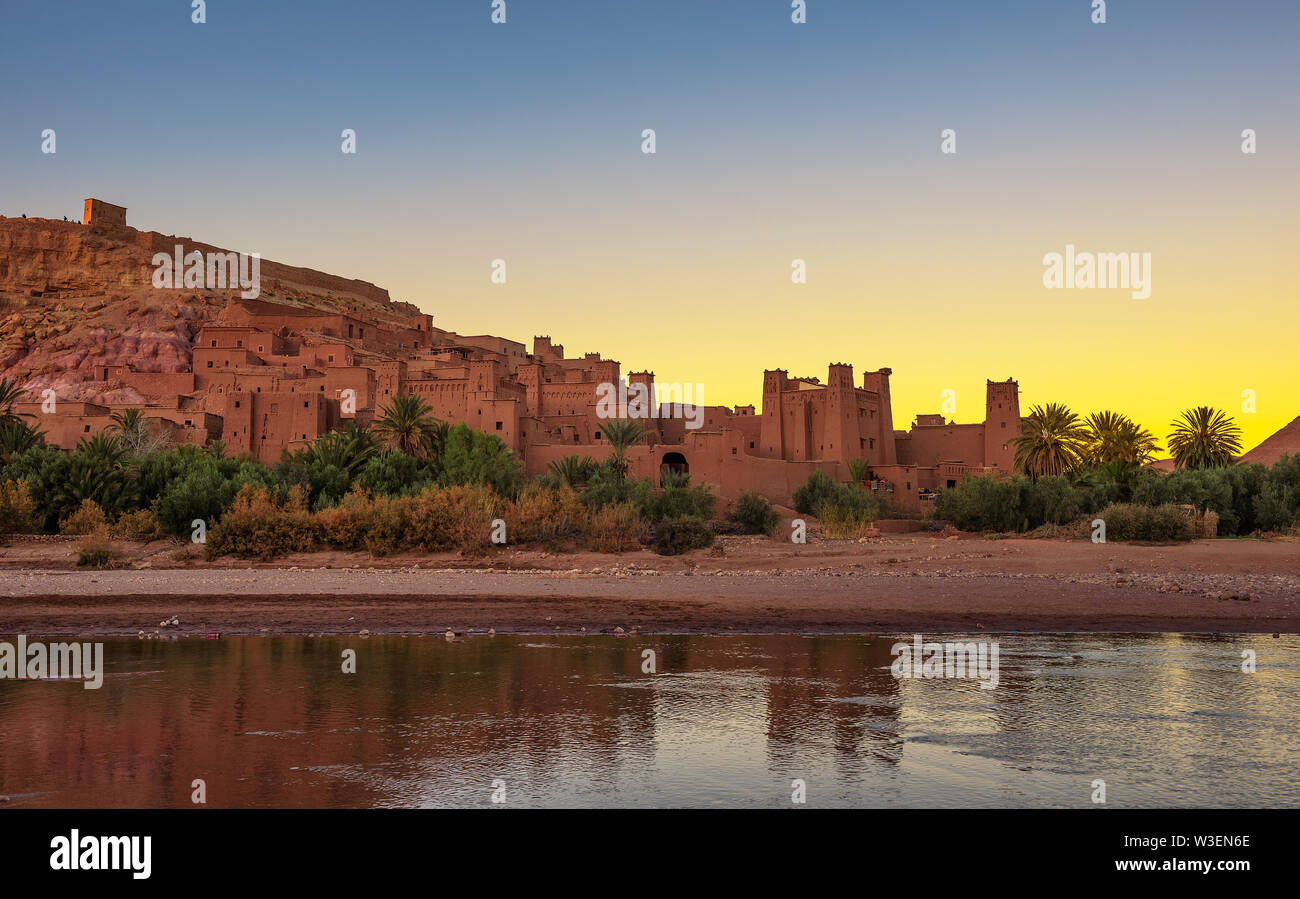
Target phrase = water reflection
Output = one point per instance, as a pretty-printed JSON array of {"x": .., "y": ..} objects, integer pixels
[{"x": 728, "y": 721}]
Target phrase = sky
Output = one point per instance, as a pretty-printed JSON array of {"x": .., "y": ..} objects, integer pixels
[{"x": 775, "y": 141}]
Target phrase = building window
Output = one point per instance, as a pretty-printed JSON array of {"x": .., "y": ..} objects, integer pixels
[
  {"x": 499, "y": 426},
  {"x": 304, "y": 404},
  {"x": 733, "y": 451},
  {"x": 239, "y": 343},
  {"x": 1004, "y": 425},
  {"x": 214, "y": 343},
  {"x": 86, "y": 429},
  {"x": 236, "y": 404},
  {"x": 751, "y": 444},
  {"x": 598, "y": 435},
  {"x": 209, "y": 363}
]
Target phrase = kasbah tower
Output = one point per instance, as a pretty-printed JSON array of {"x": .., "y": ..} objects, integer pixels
[{"x": 315, "y": 351}]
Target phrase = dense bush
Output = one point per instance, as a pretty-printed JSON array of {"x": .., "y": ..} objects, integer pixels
[
  {"x": 1159, "y": 524},
  {"x": 989, "y": 504},
  {"x": 95, "y": 550},
  {"x": 259, "y": 526},
  {"x": 472, "y": 458},
  {"x": 17, "y": 508},
  {"x": 87, "y": 519},
  {"x": 541, "y": 515},
  {"x": 754, "y": 514},
  {"x": 819, "y": 488},
  {"x": 142, "y": 524},
  {"x": 674, "y": 536},
  {"x": 616, "y": 528},
  {"x": 678, "y": 499}
]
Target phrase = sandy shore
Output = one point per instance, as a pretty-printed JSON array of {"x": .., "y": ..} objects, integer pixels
[{"x": 905, "y": 583}]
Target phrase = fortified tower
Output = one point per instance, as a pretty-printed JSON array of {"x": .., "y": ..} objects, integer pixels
[{"x": 1001, "y": 423}]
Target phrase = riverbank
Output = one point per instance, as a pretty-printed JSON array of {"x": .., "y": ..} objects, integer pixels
[{"x": 751, "y": 585}]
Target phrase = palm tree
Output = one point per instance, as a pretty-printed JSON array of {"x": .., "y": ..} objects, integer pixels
[
  {"x": 1204, "y": 438},
  {"x": 573, "y": 470},
  {"x": 1114, "y": 437},
  {"x": 135, "y": 433},
  {"x": 16, "y": 437},
  {"x": 621, "y": 433},
  {"x": 859, "y": 469},
  {"x": 1050, "y": 442},
  {"x": 408, "y": 427},
  {"x": 347, "y": 449},
  {"x": 10, "y": 393}
]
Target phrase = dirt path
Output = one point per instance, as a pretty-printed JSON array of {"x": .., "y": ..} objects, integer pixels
[{"x": 914, "y": 583}]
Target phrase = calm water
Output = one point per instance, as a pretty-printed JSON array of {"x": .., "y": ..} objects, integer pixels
[{"x": 727, "y": 721}]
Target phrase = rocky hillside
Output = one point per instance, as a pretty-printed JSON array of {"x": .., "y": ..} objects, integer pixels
[{"x": 72, "y": 297}]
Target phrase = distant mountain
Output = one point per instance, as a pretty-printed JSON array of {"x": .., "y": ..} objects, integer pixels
[{"x": 1285, "y": 442}]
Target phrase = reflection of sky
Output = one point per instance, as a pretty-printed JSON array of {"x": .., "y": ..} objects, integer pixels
[{"x": 727, "y": 721}]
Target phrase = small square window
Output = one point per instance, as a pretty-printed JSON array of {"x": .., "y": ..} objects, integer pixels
[{"x": 499, "y": 425}]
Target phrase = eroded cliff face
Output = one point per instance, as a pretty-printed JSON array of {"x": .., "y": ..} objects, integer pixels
[{"x": 73, "y": 297}]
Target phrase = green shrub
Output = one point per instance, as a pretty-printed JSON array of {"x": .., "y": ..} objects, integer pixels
[
  {"x": 754, "y": 514},
  {"x": 679, "y": 499},
  {"x": 674, "y": 536},
  {"x": 1157, "y": 524},
  {"x": 472, "y": 458},
  {"x": 819, "y": 488}
]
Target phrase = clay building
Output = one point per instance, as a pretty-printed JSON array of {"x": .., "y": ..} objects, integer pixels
[{"x": 272, "y": 374}]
